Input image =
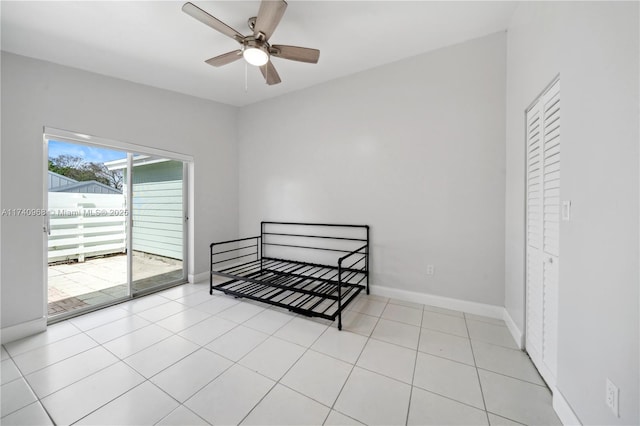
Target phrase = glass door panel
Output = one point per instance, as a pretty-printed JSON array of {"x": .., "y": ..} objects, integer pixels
[
  {"x": 158, "y": 221},
  {"x": 86, "y": 229},
  {"x": 115, "y": 225}
]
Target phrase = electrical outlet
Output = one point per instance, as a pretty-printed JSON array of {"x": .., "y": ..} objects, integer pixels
[
  {"x": 612, "y": 397},
  {"x": 430, "y": 270}
]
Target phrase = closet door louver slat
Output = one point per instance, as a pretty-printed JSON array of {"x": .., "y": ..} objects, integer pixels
[
  {"x": 543, "y": 230},
  {"x": 551, "y": 228},
  {"x": 535, "y": 213}
]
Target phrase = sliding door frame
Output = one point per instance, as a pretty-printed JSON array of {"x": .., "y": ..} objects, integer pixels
[{"x": 50, "y": 133}]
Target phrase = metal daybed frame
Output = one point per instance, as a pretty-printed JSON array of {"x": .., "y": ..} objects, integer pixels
[{"x": 311, "y": 269}]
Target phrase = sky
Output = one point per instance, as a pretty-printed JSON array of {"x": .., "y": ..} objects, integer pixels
[{"x": 89, "y": 153}]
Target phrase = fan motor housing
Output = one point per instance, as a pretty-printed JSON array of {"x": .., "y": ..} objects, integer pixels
[{"x": 257, "y": 43}]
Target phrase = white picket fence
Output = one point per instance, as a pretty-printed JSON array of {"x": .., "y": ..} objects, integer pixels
[{"x": 85, "y": 225}]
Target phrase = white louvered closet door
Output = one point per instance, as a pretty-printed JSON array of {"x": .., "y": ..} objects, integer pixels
[{"x": 543, "y": 231}]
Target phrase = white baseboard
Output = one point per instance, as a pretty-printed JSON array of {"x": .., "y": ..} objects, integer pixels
[
  {"x": 475, "y": 308},
  {"x": 196, "y": 278},
  {"x": 563, "y": 409},
  {"x": 516, "y": 333},
  {"x": 18, "y": 331}
]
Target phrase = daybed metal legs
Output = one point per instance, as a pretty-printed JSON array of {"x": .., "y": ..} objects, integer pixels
[{"x": 211, "y": 269}]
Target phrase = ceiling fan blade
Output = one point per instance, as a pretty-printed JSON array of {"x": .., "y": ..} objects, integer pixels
[
  {"x": 207, "y": 19},
  {"x": 270, "y": 74},
  {"x": 295, "y": 53},
  {"x": 269, "y": 16},
  {"x": 225, "y": 58}
]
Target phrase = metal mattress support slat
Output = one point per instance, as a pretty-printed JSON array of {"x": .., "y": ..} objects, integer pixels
[{"x": 311, "y": 289}]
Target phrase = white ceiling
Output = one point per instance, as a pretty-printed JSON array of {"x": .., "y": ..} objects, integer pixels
[{"x": 155, "y": 43}]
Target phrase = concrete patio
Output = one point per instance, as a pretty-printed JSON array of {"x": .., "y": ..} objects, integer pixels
[{"x": 103, "y": 279}]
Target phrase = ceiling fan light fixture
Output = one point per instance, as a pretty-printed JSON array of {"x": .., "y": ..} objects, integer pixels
[
  {"x": 255, "y": 55},
  {"x": 255, "y": 48}
]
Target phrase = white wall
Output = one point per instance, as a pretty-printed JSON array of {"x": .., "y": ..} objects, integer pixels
[
  {"x": 37, "y": 94},
  {"x": 415, "y": 149},
  {"x": 594, "y": 48}
]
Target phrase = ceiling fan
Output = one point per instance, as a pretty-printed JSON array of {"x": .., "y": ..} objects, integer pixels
[{"x": 255, "y": 48}]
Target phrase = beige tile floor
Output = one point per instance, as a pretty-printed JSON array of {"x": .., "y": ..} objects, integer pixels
[
  {"x": 183, "y": 357},
  {"x": 101, "y": 280}
]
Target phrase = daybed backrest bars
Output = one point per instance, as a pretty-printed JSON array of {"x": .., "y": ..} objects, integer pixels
[{"x": 318, "y": 243}]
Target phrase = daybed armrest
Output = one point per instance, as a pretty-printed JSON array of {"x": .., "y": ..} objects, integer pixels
[{"x": 233, "y": 241}]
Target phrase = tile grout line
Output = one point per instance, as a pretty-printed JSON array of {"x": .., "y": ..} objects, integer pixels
[
  {"x": 277, "y": 382},
  {"x": 186, "y": 408},
  {"x": 40, "y": 346},
  {"x": 73, "y": 383},
  {"x": 64, "y": 387},
  {"x": 56, "y": 362},
  {"x": 139, "y": 373},
  {"x": 449, "y": 398},
  {"x": 141, "y": 349},
  {"x": 203, "y": 347},
  {"x": 102, "y": 369},
  {"x": 22, "y": 376},
  {"x": 232, "y": 362},
  {"x": 111, "y": 400},
  {"x": 505, "y": 417},
  {"x": 179, "y": 331},
  {"x": 354, "y": 365},
  {"x": 445, "y": 332},
  {"x": 164, "y": 328},
  {"x": 98, "y": 344},
  {"x": 415, "y": 366},
  {"x": 544, "y": 386},
  {"x": 307, "y": 349},
  {"x": 80, "y": 331},
  {"x": 484, "y": 402},
  {"x": 190, "y": 341}
]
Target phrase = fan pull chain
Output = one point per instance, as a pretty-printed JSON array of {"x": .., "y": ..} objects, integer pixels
[{"x": 246, "y": 78}]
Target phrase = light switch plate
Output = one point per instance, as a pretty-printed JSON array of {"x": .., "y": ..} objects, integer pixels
[{"x": 566, "y": 210}]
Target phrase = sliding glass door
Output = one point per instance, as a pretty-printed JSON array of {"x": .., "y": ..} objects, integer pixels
[
  {"x": 157, "y": 222},
  {"x": 86, "y": 228},
  {"x": 115, "y": 226}
]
